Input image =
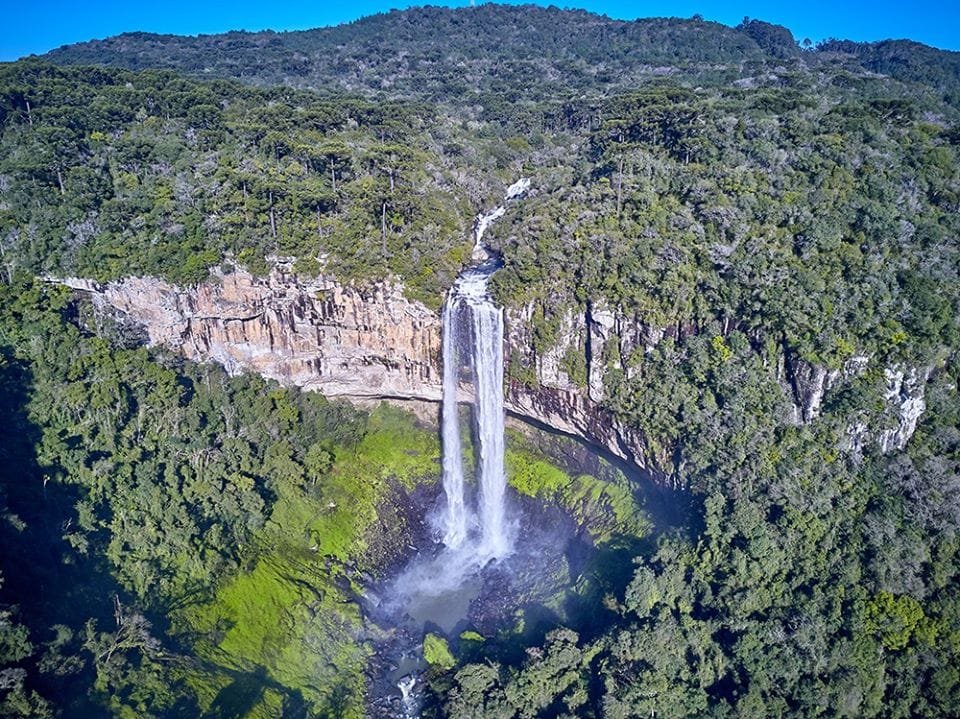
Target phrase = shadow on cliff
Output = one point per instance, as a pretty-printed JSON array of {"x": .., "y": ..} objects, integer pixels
[{"x": 670, "y": 509}]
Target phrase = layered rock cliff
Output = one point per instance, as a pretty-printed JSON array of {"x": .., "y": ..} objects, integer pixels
[
  {"x": 319, "y": 335},
  {"x": 372, "y": 343},
  {"x": 346, "y": 342},
  {"x": 903, "y": 404},
  {"x": 568, "y": 390}
]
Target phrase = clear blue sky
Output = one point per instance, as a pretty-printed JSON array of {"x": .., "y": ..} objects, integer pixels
[{"x": 35, "y": 26}]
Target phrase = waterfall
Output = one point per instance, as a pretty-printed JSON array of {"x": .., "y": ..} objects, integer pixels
[
  {"x": 470, "y": 297},
  {"x": 488, "y": 368},
  {"x": 482, "y": 323},
  {"x": 455, "y": 529}
]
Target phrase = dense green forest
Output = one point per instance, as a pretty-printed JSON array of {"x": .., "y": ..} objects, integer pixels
[
  {"x": 180, "y": 542},
  {"x": 111, "y": 172}
]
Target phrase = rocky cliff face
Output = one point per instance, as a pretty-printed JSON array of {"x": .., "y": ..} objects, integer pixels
[
  {"x": 568, "y": 388},
  {"x": 373, "y": 343},
  {"x": 903, "y": 395},
  {"x": 348, "y": 342},
  {"x": 318, "y": 335}
]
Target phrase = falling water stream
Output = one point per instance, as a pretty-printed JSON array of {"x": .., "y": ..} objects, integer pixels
[
  {"x": 488, "y": 370},
  {"x": 471, "y": 318},
  {"x": 455, "y": 519},
  {"x": 470, "y": 299},
  {"x": 437, "y": 590}
]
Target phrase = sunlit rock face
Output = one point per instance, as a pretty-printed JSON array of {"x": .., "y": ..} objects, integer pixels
[
  {"x": 373, "y": 342},
  {"x": 903, "y": 406},
  {"x": 319, "y": 334},
  {"x": 345, "y": 341},
  {"x": 904, "y": 395}
]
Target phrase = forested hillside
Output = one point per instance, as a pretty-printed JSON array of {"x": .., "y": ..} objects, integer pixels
[
  {"x": 110, "y": 172},
  {"x": 774, "y": 231},
  {"x": 439, "y": 53},
  {"x": 528, "y": 52}
]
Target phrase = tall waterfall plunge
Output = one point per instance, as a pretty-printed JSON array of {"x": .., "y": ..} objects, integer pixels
[
  {"x": 488, "y": 370},
  {"x": 455, "y": 521},
  {"x": 470, "y": 313}
]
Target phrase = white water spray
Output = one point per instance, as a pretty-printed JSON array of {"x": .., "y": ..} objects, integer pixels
[{"x": 470, "y": 296}]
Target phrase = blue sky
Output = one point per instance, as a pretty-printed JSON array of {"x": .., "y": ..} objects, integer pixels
[{"x": 36, "y": 26}]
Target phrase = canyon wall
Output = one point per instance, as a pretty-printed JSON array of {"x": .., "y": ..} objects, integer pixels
[
  {"x": 342, "y": 341},
  {"x": 373, "y": 343},
  {"x": 318, "y": 335}
]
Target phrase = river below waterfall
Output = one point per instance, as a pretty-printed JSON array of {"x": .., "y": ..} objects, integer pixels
[{"x": 436, "y": 592}]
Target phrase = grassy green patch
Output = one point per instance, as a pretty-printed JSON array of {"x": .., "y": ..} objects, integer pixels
[
  {"x": 605, "y": 508},
  {"x": 436, "y": 652},
  {"x": 394, "y": 448},
  {"x": 284, "y": 632}
]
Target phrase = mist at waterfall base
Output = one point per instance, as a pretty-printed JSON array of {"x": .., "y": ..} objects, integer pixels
[{"x": 449, "y": 591}]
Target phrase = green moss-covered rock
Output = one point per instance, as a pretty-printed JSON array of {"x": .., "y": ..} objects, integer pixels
[{"x": 437, "y": 653}]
